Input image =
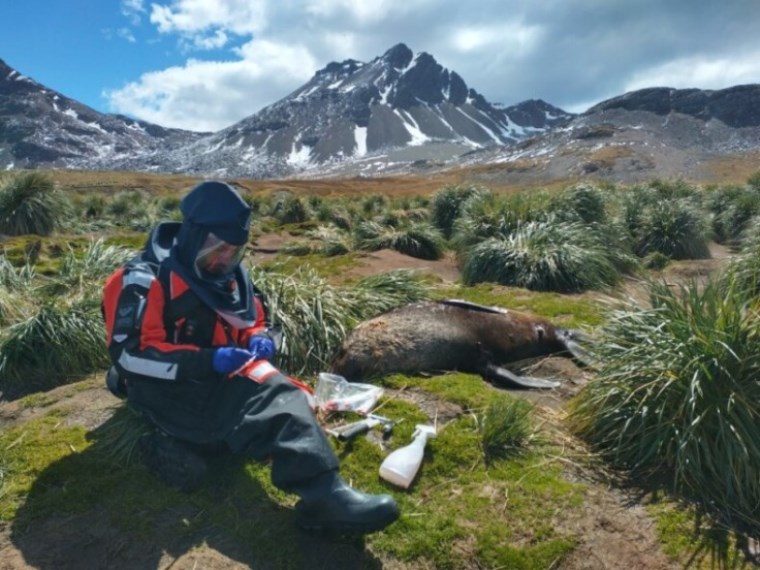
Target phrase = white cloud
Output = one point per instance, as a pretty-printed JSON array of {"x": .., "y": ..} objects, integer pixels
[
  {"x": 126, "y": 33},
  {"x": 363, "y": 12},
  {"x": 211, "y": 95},
  {"x": 348, "y": 43},
  {"x": 703, "y": 72},
  {"x": 510, "y": 37},
  {"x": 571, "y": 53},
  {"x": 242, "y": 17},
  {"x": 133, "y": 9},
  {"x": 133, "y": 5},
  {"x": 215, "y": 40}
]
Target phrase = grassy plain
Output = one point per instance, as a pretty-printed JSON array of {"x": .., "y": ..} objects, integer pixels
[{"x": 71, "y": 498}]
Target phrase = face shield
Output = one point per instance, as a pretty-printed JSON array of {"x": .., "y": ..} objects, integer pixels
[{"x": 217, "y": 257}]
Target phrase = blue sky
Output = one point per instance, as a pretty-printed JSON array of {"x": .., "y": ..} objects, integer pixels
[{"x": 205, "y": 64}]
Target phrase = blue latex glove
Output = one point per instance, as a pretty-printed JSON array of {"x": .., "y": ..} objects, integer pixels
[
  {"x": 262, "y": 347},
  {"x": 229, "y": 358}
]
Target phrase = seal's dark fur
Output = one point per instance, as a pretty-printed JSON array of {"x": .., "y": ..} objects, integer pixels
[{"x": 450, "y": 335}]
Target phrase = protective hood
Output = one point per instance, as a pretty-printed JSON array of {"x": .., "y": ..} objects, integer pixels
[
  {"x": 160, "y": 242},
  {"x": 218, "y": 208},
  {"x": 209, "y": 207}
]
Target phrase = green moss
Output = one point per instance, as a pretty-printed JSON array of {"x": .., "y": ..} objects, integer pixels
[
  {"x": 566, "y": 310},
  {"x": 466, "y": 390},
  {"x": 685, "y": 534},
  {"x": 134, "y": 241},
  {"x": 496, "y": 554},
  {"x": 332, "y": 268},
  {"x": 506, "y": 509},
  {"x": 29, "y": 451},
  {"x": 37, "y": 400}
]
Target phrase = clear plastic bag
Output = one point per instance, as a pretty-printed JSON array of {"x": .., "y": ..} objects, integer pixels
[{"x": 336, "y": 394}]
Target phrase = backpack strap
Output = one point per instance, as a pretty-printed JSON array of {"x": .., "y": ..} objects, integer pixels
[{"x": 135, "y": 284}]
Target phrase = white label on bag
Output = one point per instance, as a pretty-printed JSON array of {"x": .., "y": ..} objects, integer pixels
[{"x": 261, "y": 371}]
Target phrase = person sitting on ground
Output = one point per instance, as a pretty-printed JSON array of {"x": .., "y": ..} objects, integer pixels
[{"x": 183, "y": 318}]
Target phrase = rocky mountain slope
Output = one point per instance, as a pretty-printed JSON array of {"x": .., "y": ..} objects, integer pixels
[
  {"x": 401, "y": 113},
  {"x": 658, "y": 132},
  {"x": 348, "y": 110},
  {"x": 352, "y": 110},
  {"x": 39, "y": 127}
]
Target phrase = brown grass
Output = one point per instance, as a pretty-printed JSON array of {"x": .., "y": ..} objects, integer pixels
[
  {"x": 608, "y": 155},
  {"x": 734, "y": 169},
  {"x": 506, "y": 177}
]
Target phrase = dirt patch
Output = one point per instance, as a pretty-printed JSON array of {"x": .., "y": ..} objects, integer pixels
[
  {"x": 674, "y": 274},
  {"x": 614, "y": 534},
  {"x": 385, "y": 260},
  {"x": 87, "y": 403}
]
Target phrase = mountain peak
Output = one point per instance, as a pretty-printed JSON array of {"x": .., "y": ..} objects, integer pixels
[
  {"x": 399, "y": 56},
  {"x": 342, "y": 68}
]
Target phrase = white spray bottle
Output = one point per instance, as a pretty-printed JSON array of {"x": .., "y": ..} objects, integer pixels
[{"x": 401, "y": 466}]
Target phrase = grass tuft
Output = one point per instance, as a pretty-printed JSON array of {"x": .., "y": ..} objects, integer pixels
[
  {"x": 505, "y": 428},
  {"x": 543, "y": 256},
  {"x": 416, "y": 239},
  {"x": 30, "y": 204},
  {"x": 54, "y": 346},
  {"x": 316, "y": 316},
  {"x": 677, "y": 397}
]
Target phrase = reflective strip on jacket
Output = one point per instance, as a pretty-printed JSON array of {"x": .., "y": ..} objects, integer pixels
[{"x": 149, "y": 339}]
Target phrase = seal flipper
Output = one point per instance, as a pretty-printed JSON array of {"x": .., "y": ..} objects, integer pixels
[
  {"x": 507, "y": 379},
  {"x": 569, "y": 339}
]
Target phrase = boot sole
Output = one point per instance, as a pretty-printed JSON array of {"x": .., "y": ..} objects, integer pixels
[{"x": 345, "y": 527}]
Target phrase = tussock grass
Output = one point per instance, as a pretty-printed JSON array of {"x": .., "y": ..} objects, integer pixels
[
  {"x": 55, "y": 345},
  {"x": 120, "y": 435},
  {"x": 83, "y": 272},
  {"x": 290, "y": 210},
  {"x": 543, "y": 256},
  {"x": 31, "y": 204},
  {"x": 677, "y": 396},
  {"x": 675, "y": 229},
  {"x": 297, "y": 247},
  {"x": 416, "y": 239},
  {"x": 486, "y": 215},
  {"x": 316, "y": 316},
  {"x": 666, "y": 219},
  {"x": 753, "y": 180},
  {"x": 16, "y": 287},
  {"x": 16, "y": 278},
  {"x": 583, "y": 202},
  {"x": 505, "y": 428},
  {"x": 53, "y": 327},
  {"x": 743, "y": 272},
  {"x": 732, "y": 209},
  {"x": 332, "y": 240},
  {"x": 448, "y": 204}
]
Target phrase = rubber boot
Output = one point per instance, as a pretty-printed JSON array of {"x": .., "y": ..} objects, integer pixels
[
  {"x": 115, "y": 383},
  {"x": 328, "y": 503}
]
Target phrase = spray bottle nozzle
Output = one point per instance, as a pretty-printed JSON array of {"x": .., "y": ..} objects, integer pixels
[{"x": 427, "y": 430}]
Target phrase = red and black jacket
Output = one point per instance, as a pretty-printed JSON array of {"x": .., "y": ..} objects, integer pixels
[{"x": 159, "y": 329}]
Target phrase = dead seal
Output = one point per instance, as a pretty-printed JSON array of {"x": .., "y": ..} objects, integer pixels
[{"x": 431, "y": 336}]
